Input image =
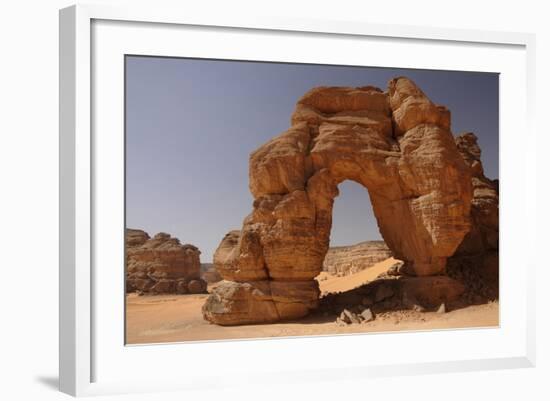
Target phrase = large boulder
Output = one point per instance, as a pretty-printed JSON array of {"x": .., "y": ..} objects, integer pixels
[
  {"x": 397, "y": 144},
  {"x": 263, "y": 301},
  {"x": 161, "y": 264}
]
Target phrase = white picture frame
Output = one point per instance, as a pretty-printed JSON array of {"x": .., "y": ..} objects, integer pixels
[{"x": 84, "y": 351}]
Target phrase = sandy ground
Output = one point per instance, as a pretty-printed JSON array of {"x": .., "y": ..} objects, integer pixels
[
  {"x": 175, "y": 318},
  {"x": 329, "y": 283}
]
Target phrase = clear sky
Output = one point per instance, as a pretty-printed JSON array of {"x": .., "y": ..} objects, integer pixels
[{"x": 191, "y": 125}]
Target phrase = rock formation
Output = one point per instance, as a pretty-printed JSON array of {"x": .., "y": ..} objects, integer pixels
[
  {"x": 161, "y": 265},
  {"x": 344, "y": 260},
  {"x": 397, "y": 144},
  {"x": 475, "y": 261}
]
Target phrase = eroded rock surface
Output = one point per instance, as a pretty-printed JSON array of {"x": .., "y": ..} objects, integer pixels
[
  {"x": 397, "y": 144},
  {"x": 475, "y": 261},
  {"x": 161, "y": 265},
  {"x": 264, "y": 301},
  {"x": 344, "y": 260}
]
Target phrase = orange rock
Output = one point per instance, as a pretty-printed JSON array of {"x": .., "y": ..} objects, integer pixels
[
  {"x": 411, "y": 107},
  {"x": 334, "y": 99},
  {"x": 279, "y": 166},
  {"x": 398, "y": 145}
]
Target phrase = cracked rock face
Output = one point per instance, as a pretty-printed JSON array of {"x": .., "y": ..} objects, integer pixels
[
  {"x": 161, "y": 264},
  {"x": 397, "y": 144}
]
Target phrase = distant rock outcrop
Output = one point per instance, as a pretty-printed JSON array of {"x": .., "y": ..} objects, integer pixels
[
  {"x": 161, "y": 265},
  {"x": 344, "y": 260},
  {"x": 209, "y": 273}
]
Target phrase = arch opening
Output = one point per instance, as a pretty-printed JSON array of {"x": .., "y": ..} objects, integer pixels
[
  {"x": 357, "y": 252},
  {"x": 353, "y": 218}
]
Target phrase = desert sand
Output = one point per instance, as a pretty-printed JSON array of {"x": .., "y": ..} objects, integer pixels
[
  {"x": 329, "y": 283},
  {"x": 177, "y": 318}
]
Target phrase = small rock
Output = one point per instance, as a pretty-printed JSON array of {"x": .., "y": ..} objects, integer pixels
[
  {"x": 442, "y": 309},
  {"x": 349, "y": 317},
  {"x": 340, "y": 322},
  {"x": 418, "y": 308},
  {"x": 367, "y": 315},
  {"x": 344, "y": 317},
  {"x": 356, "y": 319}
]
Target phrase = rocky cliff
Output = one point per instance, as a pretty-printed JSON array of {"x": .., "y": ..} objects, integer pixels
[
  {"x": 161, "y": 264},
  {"x": 344, "y": 260},
  {"x": 476, "y": 261}
]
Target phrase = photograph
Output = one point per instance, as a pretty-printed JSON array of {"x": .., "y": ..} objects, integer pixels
[
  {"x": 255, "y": 201},
  {"x": 270, "y": 199}
]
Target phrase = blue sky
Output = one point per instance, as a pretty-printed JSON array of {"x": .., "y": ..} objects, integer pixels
[{"x": 191, "y": 125}]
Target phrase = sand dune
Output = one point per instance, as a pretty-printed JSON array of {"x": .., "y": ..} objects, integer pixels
[{"x": 329, "y": 283}]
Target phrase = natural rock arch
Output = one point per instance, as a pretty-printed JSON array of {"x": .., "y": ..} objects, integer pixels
[{"x": 396, "y": 144}]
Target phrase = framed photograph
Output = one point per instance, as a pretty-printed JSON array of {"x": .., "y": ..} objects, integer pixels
[{"x": 266, "y": 190}]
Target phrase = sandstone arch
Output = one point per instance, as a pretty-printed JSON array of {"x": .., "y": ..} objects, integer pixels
[{"x": 397, "y": 144}]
